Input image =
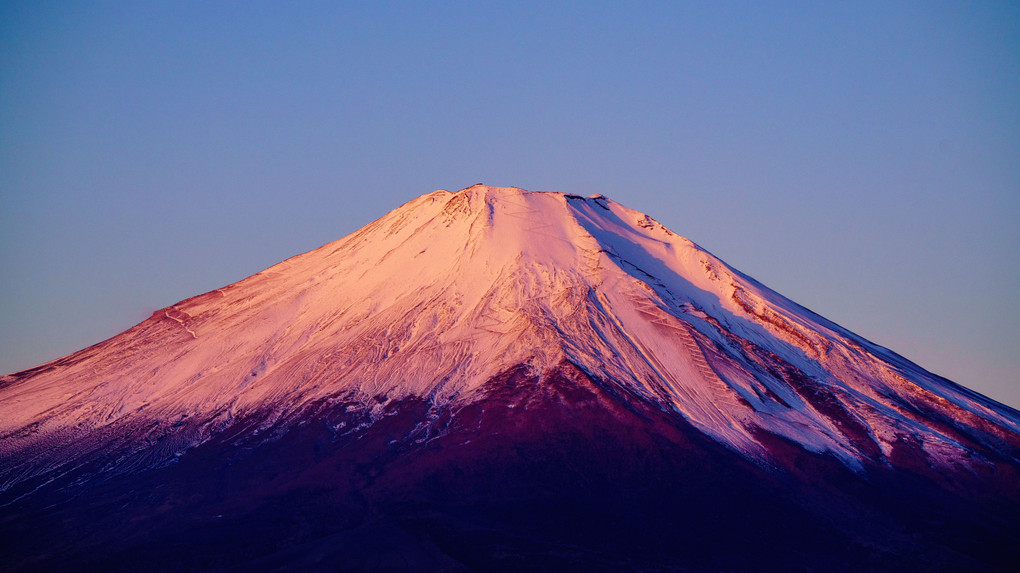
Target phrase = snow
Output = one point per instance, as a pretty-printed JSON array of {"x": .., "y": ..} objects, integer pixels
[{"x": 451, "y": 289}]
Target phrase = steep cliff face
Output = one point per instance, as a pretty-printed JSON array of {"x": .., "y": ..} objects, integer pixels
[{"x": 461, "y": 316}]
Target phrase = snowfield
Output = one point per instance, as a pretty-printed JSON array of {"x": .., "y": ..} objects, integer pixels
[{"x": 453, "y": 289}]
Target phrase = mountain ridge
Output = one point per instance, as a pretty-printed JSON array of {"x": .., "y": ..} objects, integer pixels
[
  {"x": 495, "y": 379},
  {"x": 539, "y": 277}
]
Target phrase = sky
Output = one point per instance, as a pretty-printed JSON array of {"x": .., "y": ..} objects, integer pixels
[{"x": 862, "y": 159}]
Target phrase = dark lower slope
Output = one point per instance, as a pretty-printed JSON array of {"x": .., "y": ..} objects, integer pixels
[{"x": 547, "y": 473}]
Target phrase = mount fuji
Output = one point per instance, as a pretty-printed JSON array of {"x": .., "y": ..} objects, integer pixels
[{"x": 496, "y": 379}]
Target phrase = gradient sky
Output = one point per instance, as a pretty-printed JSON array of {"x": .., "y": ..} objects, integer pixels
[{"x": 863, "y": 160}]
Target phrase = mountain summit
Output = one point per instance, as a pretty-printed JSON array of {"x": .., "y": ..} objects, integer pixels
[{"x": 445, "y": 376}]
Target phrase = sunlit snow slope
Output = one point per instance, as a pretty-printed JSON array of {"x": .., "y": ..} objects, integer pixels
[{"x": 451, "y": 289}]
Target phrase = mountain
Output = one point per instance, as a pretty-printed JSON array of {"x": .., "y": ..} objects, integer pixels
[{"x": 495, "y": 379}]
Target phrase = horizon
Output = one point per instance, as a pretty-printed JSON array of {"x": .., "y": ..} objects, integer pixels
[{"x": 861, "y": 161}]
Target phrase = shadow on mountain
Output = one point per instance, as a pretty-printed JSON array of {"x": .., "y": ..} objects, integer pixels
[{"x": 555, "y": 472}]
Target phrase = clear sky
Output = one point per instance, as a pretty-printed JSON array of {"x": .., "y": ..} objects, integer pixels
[{"x": 862, "y": 159}]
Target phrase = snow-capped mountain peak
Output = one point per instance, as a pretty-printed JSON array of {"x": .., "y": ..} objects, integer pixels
[{"x": 445, "y": 293}]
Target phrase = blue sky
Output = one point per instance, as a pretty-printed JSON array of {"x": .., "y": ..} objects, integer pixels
[{"x": 862, "y": 159}]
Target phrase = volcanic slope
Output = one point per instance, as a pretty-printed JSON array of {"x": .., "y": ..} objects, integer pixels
[{"x": 445, "y": 300}]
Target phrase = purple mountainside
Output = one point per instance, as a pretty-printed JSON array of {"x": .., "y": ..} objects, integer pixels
[{"x": 495, "y": 379}]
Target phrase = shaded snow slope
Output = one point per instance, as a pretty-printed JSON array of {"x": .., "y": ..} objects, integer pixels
[{"x": 451, "y": 289}]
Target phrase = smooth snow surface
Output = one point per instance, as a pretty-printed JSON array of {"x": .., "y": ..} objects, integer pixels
[{"x": 451, "y": 289}]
